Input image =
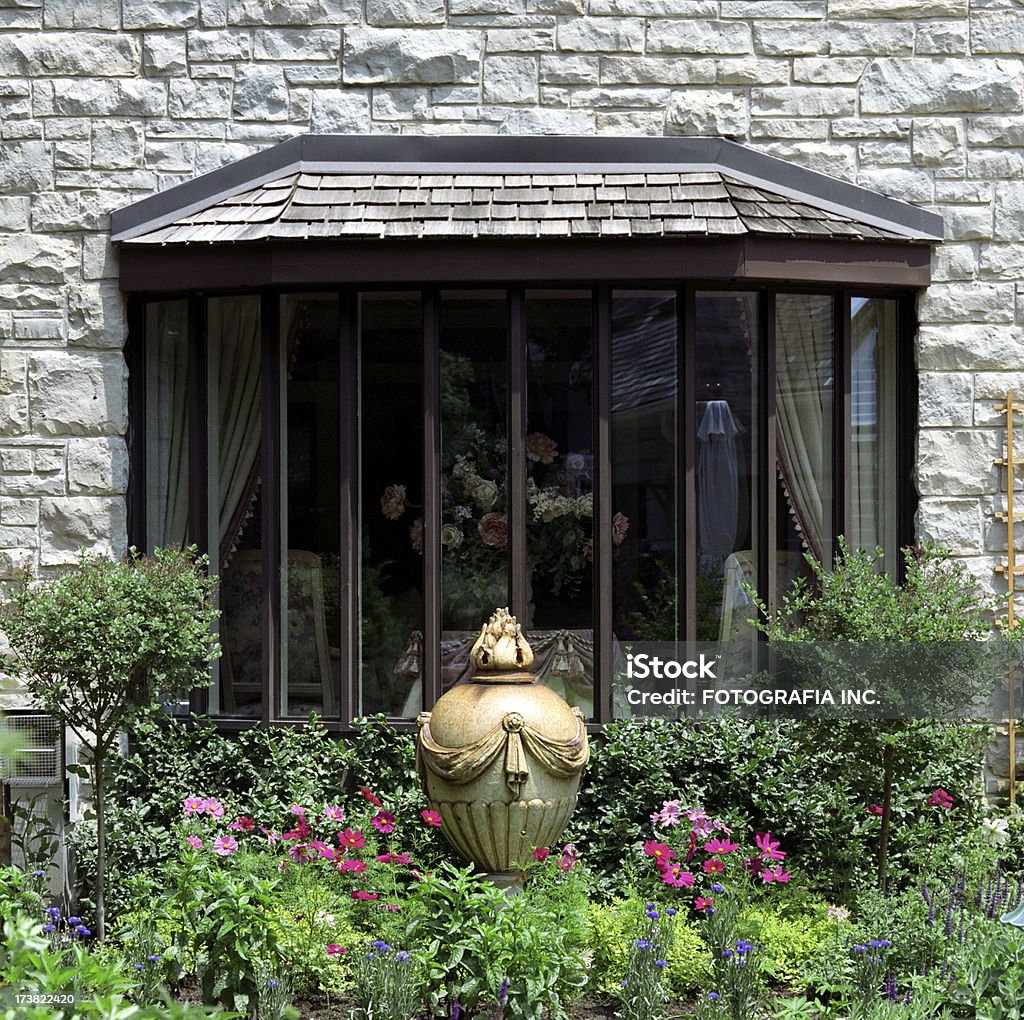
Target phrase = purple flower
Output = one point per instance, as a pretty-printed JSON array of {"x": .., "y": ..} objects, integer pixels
[{"x": 49, "y": 927}]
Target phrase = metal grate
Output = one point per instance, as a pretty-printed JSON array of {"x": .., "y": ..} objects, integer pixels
[{"x": 39, "y": 738}]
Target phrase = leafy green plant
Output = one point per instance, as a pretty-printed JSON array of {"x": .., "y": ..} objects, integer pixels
[
  {"x": 96, "y": 647},
  {"x": 642, "y": 994}
]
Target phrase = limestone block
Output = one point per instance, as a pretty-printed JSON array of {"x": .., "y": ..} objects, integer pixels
[
  {"x": 655, "y": 8},
  {"x": 77, "y": 393},
  {"x": 208, "y": 99},
  {"x": 116, "y": 145},
  {"x": 997, "y": 32},
  {"x": 1002, "y": 262},
  {"x": 97, "y": 466},
  {"x": 554, "y": 6},
  {"x": 510, "y": 80},
  {"x": 992, "y": 386},
  {"x": 996, "y": 131},
  {"x": 518, "y": 40},
  {"x": 213, "y": 13},
  {"x": 940, "y": 86},
  {"x": 48, "y": 460},
  {"x": 908, "y": 185},
  {"x": 966, "y": 222},
  {"x": 617, "y": 35},
  {"x": 426, "y": 57},
  {"x": 752, "y": 71},
  {"x": 164, "y": 53},
  {"x": 15, "y": 538},
  {"x": 956, "y": 462},
  {"x": 72, "y": 155},
  {"x": 388, "y": 13},
  {"x": 210, "y": 157},
  {"x": 260, "y": 94},
  {"x": 560, "y": 69},
  {"x": 294, "y": 12},
  {"x": 951, "y": 261},
  {"x": 505, "y": 9},
  {"x": 789, "y": 38},
  {"x": 620, "y": 97},
  {"x": 80, "y": 14},
  {"x": 827, "y": 158},
  {"x": 803, "y": 101},
  {"x": 884, "y": 153},
  {"x": 14, "y": 414},
  {"x": 790, "y": 127},
  {"x": 872, "y": 38},
  {"x": 974, "y": 347},
  {"x": 945, "y": 398},
  {"x": 967, "y": 302},
  {"x": 634, "y": 122},
  {"x": 219, "y": 47},
  {"x": 33, "y": 258},
  {"x": 93, "y": 523},
  {"x": 1009, "y": 211},
  {"x": 14, "y": 563},
  {"x": 548, "y": 122},
  {"x": 19, "y": 512},
  {"x": 169, "y": 156},
  {"x": 653, "y": 70},
  {"x": 16, "y": 460},
  {"x": 35, "y": 327},
  {"x": 14, "y": 212},
  {"x": 25, "y": 168},
  {"x": 828, "y": 70},
  {"x": 12, "y": 372},
  {"x": 400, "y": 104},
  {"x": 701, "y": 36},
  {"x": 904, "y": 9},
  {"x": 340, "y": 111},
  {"x": 937, "y": 141},
  {"x": 994, "y": 164},
  {"x": 96, "y": 316},
  {"x": 298, "y": 44},
  {"x": 70, "y": 54},
  {"x": 942, "y": 38},
  {"x": 707, "y": 112},
  {"x": 313, "y": 74},
  {"x": 954, "y": 524},
  {"x": 159, "y": 13},
  {"x": 865, "y": 127}
]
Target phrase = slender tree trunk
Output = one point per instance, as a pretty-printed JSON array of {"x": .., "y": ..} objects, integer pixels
[
  {"x": 883, "y": 836},
  {"x": 101, "y": 845}
]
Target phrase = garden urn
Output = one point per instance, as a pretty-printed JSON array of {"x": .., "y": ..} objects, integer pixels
[{"x": 500, "y": 756}]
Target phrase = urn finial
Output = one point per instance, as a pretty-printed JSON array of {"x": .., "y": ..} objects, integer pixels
[{"x": 501, "y": 646}]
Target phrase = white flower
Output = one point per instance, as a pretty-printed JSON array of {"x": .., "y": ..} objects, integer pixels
[{"x": 996, "y": 830}]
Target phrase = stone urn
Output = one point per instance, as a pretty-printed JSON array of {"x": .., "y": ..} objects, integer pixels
[{"x": 500, "y": 757}]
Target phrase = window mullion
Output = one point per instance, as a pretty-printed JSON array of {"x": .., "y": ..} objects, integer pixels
[
  {"x": 842, "y": 511},
  {"x": 270, "y": 358},
  {"x": 766, "y": 454},
  {"x": 687, "y": 545},
  {"x": 431, "y": 307},
  {"x": 516, "y": 508},
  {"x": 348, "y": 516},
  {"x": 602, "y": 534},
  {"x": 197, "y": 401}
]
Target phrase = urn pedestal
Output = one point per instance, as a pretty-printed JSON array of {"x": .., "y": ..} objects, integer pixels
[{"x": 500, "y": 757}]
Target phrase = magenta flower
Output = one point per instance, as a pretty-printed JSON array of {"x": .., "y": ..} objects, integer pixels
[
  {"x": 194, "y": 806},
  {"x": 243, "y": 824},
  {"x": 334, "y": 813},
  {"x": 874, "y": 809},
  {"x": 297, "y": 809},
  {"x": 703, "y": 903},
  {"x": 351, "y": 866},
  {"x": 432, "y": 818},
  {"x": 213, "y": 807},
  {"x": 369, "y": 795},
  {"x": 383, "y": 821},
  {"x": 333, "y": 949},
  {"x": 352, "y": 839},
  {"x": 940, "y": 799},
  {"x": 301, "y": 853},
  {"x": 362, "y": 894},
  {"x": 272, "y": 837},
  {"x": 769, "y": 847},
  {"x": 713, "y": 865},
  {"x": 393, "y": 858},
  {"x": 541, "y": 853},
  {"x": 224, "y": 846},
  {"x": 720, "y": 846},
  {"x": 568, "y": 859},
  {"x": 195, "y": 842},
  {"x": 775, "y": 875},
  {"x": 661, "y": 852},
  {"x": 674, "y": 876}
]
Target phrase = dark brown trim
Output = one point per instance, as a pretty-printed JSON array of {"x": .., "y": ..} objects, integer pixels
[
  {"x": 431, "y": 308},
  {"x": 197, "y": 411},
  {"x": 686, "y": 318},
  {"x": 348, "y": 504},
  {"x": 135, "y": 438},
  {"x": 906, "y": 424},
  {"x": 767, "y": 508},
  {"x": 601, "y": 539},
  {"x": 504, "y": 261},
  {"x": 270, "y": 469},
  {"x": 842, "y": 477},
  {"x": 516, "y": 509}
]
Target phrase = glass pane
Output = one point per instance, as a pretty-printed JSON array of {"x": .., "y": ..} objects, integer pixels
[
  {"x": 559, "y": 522},
  {"x": 311, "y": 488},
  {"x": 166, "y": 424},
  {"x": 645, "y": 431},
  {"x": 804, "y": 388},
  {"x": 873, "y": 427},
  {"x": 234, "y": 497},
  {"x": 726, "y": 486},
  {"x": 474, "y": 462},
  {"x": 391, "y": 495}
]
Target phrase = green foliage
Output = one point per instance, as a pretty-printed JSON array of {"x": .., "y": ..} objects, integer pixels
[{"x": 790, "y": 936}]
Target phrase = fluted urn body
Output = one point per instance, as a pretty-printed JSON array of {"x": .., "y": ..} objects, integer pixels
[{"x": 500, "y": 757}]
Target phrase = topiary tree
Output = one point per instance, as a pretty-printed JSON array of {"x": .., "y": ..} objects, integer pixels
[
  {"x": 939, "y": 608},
  {"x": 98, "y": 646}
]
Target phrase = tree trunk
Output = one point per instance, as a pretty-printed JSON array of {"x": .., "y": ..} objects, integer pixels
[
  {"x": 883, "y": 836},
  {"x": 101, "y": 844}
]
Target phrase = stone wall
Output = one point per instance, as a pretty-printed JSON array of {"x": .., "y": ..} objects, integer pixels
[{"x": 102, "y": 103}]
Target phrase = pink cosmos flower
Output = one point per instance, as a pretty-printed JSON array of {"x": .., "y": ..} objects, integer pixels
[
  {"x": 301, "y": 830},
  {"x": 224, "y": 846},
  {"x": 301, "y": 853},
  {"x": 432, "y": 818},
  {"x": 362, "y": 894},
  {"x": 874, "y": 809},
  {"x": 352, "y": 839},
  {"x": 541, "y": 853},
  {"x": 213, "y": 807},
  {"x": 568, "y": 859},
  {"x": 195, "y": 842},
  {"x": 351, "y": 866},
  {"x": 713, "y": 865},
  {"x": 769, "y": 847},
  {"x": 720, "y": 846},
  {"x": 703, "y": 903},
  {"x": 242, "y": 824},
  {"x": 333, "y": 949},
  {"x": 194, "y": 806},
  {"x": 393, "y": 858},
  {"x": 661, "y": 852},
  {"x": 940, "y": 798},
  {"x": 383, "y": 821},
  {"x": 368, "y": 794},
  {"x": 775, "y": 875},
  {"x": 674, "y": 876},
  {"x": 334, "y": 813},
  {"x": 670, "y": 814},
  {"x": 752, "y": 865},
  {"x": 702, "y": 825},
  {"x": 297, "y": 809}
]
